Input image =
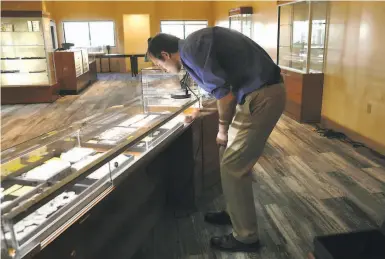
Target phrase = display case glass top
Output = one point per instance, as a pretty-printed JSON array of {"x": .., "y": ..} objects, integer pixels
[
  {"x": 26, "y": 51},
  {"x": 47, "y": 181},
  {"x": 302, "y": 32}
]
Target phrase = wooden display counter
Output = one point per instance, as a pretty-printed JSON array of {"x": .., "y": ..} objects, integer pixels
[
  {"x": 171, "y": 178},
  {"x": 66, "y": 73}
]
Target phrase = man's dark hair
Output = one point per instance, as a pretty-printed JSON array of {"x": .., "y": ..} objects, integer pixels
[{"x": 163, "y": 42}]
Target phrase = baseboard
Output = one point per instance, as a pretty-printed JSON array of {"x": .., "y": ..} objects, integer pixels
[{"x": 330, "y": 124}]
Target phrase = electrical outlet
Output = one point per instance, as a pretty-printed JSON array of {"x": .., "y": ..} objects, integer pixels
[{"x": 369, "y": 108}]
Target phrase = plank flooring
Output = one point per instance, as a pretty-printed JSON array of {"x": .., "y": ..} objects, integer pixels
[
  {"x": 304, "y": 185},
  {"x": 23, "y": 122}
]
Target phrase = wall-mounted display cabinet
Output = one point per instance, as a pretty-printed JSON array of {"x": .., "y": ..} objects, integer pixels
[
  {"x": 47, "y": 183},
  {"x": 302, "y": 27},
  {"x": 302, "y": 35},
  {"x": 241, "y": 20},
  {"x": 27, "y": 58}
]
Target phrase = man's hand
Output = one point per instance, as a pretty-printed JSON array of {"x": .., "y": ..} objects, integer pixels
[
  {"x": 198, "y": 113},
  {"x": 226, "y": 110},
  {"x": 222, "y": 136},
  {"x": 191, "y": 117},
  {"x": 222, "y": 139}
]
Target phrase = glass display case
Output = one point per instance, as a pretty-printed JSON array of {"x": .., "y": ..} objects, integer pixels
[
  {"x": 26, "y": 50},
  {"x": 240, "y": 19},
  {"x": 47, "y": 182},
  {"x": 302, "y": 32},
  {"x": 171, "y": 84}
]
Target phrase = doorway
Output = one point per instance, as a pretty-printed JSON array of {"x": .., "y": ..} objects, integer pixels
[{"x": 136, "y": 32}]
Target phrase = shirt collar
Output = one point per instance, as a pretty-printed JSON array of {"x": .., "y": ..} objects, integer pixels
[{"x": 180, "y": 46}]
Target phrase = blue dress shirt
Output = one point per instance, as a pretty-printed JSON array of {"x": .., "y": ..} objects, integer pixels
[{"x": 221, "y": 60}]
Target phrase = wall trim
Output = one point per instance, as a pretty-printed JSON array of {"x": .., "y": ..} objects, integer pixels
[{"x": 355, "y": 136}]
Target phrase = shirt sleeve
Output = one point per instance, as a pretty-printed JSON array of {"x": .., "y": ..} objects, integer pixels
[{"x": 203, "y": 58}]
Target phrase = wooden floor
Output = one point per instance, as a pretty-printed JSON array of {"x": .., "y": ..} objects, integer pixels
[
  {"x": 305, "y": 185},
  {"x": 23, "y": 122}
]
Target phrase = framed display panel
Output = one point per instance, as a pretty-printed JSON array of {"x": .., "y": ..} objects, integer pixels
[
  {"x": 302, "y": 29},
  {"x": 26, "y": 51},
  {"x": 51, "y": 181},
  {"x": 240, "y": 19}
]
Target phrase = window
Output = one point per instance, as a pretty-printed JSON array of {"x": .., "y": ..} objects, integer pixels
[
  {"x": 182, "y": 29},
  {"x": 89, "y": 34}
]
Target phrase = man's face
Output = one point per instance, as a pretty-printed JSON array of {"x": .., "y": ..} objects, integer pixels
[{"x": 171, "y": 62}]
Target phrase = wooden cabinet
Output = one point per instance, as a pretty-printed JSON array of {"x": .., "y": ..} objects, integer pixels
[
  {"x": 303, "y": 95},
  {"x": 73, "y": 71}
]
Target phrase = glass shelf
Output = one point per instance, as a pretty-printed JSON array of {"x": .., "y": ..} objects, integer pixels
[
  {"x": 36, "y": 45},
  {"x": 302, "y": 31},
  {"x": 25, "y": 58},
  {"x": 21, "y": 32},
  {"x": 30, "y": 72},
  {"x": 37, "y": 72}
]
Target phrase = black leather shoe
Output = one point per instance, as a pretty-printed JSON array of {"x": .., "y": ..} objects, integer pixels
[
  {"x": 218, "y": 218},
  {"x": 229, "y": 244}
]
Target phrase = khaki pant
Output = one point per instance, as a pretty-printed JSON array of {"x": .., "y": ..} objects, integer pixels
[{"x": 252, "y": 124}]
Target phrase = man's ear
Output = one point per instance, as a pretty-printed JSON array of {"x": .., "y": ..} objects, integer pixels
[{"x": 165, "y": 55}]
